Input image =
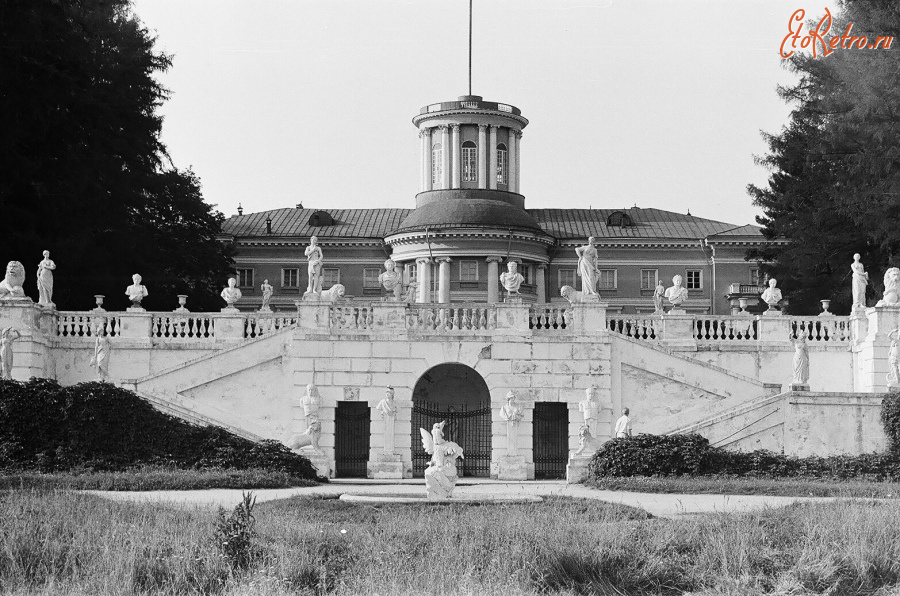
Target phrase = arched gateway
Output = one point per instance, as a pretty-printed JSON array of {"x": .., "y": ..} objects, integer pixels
[{"x": 455, "y": 393}]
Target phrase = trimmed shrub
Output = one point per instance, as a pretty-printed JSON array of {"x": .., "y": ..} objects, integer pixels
[
  {"x": 47, "y": 427},
  {"x": 676, "y": 455},
  {"x": 890, "y": 419}
]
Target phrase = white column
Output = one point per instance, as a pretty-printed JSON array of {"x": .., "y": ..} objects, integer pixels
[
  {"x": 426, "y": 159},
  {"x": 423, "y": 279},
  {"x": 518, "y": 162},
  {"x": 493, "y": 279},
  {"x": 513, "y": 163},
  {"x": 444, "y": 280},
  {"x": 492, "y": 157},
  {"x": 541, "y": 283},
  {"x": 445, "y": 157},
  {"x": 482, "y": 155},
  {"x": 457, "y": 167}
]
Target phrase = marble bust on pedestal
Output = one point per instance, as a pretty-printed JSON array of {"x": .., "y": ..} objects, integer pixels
[
  {"x": 512, "y": 279},
  {"x": 136, "y": 292},
  {"x": 677, "y": 294},
  {"x": 772, "y": 296},
  {"x": 230, "y": 295}
]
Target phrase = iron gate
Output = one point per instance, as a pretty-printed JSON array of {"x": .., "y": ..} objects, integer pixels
[
  {"x": 351, "y": 439},
  {"x": 551, "y": 440},
  {"x": 467, "y": 425}
]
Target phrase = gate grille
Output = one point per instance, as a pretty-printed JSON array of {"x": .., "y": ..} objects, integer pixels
[
  {"x": 551, "y": 440},
  {"x": 467, "y": 425},
  {"x": 351, "y": 439}
]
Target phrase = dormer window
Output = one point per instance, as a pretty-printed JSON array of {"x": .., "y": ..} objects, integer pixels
[
  {"x": 321, "y": 218},
  {"x": 618, "y": 219},
  {"x": 502, "y": 164}
]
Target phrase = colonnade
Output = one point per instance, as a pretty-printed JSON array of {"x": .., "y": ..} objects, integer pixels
[
  {"x": 448, "y": 173},
  {"x": 423, "y": 278}
]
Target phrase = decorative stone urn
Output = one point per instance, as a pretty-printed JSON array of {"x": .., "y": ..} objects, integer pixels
[
  {"x": 99, "y": 298},
  {"x": 825, "y": 305},
  {"x": 182, "y": 300}
]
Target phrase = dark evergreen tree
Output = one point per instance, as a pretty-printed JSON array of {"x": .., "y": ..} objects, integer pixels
[
  {"x": 834, "y": 187},
  {"x": 82, "y": 170}
]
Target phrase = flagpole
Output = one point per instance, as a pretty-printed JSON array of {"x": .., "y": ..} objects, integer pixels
[{"x": 470, "y": 47}]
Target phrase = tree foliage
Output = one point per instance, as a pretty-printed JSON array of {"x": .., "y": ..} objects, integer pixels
[
  {"x": 834, "y": 187},
  {"x": 84, "y": 173}
]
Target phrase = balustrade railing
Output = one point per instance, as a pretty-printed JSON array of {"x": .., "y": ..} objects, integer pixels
[
  {"x": 188, "y": 327},
  {"x": 461, "y": 318},
  {"x": 349, "y": 317},
  {"x": 260, "y": 325},
  {"x": 550, "y": 316},
  {"x": 820, "y": 329},
  {"x": 716, "y": 329},
  {"x": 636, "y": 327},
  {"x": 86, "y": 324}
]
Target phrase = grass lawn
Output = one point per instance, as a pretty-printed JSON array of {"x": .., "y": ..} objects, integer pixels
[
  {"x": 790, "y": 487},
  {"x": 152, "y": 478},
  {"x": 58, "y": 542}
]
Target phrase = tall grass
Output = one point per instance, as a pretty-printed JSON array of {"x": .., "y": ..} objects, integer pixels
[
  {"x": 733, "y": 485},
  {"x": 62, "y": 543}
]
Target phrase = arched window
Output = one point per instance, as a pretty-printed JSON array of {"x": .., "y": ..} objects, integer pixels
[
  {"x": 502, "y": 164},
  {"x": 437, "y": 164},
  {"x": 469, "y": 161},
  {"x": 619, "y": 219}
]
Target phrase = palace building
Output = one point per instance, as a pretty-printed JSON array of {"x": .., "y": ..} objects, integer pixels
[{"x": 470, "y": 219}]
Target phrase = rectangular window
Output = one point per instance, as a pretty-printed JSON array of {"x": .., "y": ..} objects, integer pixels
[
  {"x": 437, "y": 165},
  {"x": 754, "y": 277},
  {"x": 411, "y": 271},
  {"x": 469, "y": 163},
  {"x": 370, "y": 278},
  {"x": 290, "y": 278},
  {"x": 330, "y": 277},
  {"x": 694, "y": 279},
  {"x": 606, "y": 280},
  {"x": 527, "y": 272},
  {"x": 245, "y": 278},
  {"x": 468, "y": 271},
  {"x": 567, "y": 278},
  {"x": 501, "y": 166},
  {"x": 649, "y": 278}
]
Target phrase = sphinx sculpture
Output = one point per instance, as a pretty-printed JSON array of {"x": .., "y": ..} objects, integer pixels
[{"x": 440, "y": 476}]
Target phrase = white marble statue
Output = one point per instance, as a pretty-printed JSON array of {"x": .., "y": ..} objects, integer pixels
[
  {"x": 623, "y": 425},
  {"x": 410, "y": 295},
  {"x": 570, "y": 294},
  {"x": 591, "y": 409},
  {"x": 100, "y": 359},
  {"x": 677, "y": 294},
  {"x": 45, "y": 280},
  {"x": 388, "y": 409},
  {"x": 512, "y": 279},
  {"x": 391, "y": 279},
  {"x": 332, "y": 294},
  {"x": 587, "y": 267},
  {"x": 230, "y": 294},
  {"x": 311, "y": 402},
  {"x": 267, "y": 291},
  {"x": 440, "y": 475},
  {"x": 11, "y": 286},
  {"x": 314, "y": 268},
  {"x": 891, "y": 288},
  {"x": 658, "y": 295},
  {"x": 136, "y": 291},
  {"x": 7, "y": 336},
  {"x": 801, "y": 362},
  {"x": 308, "y": 438},
  {"x": 893, "y": 376},
  {"x": 587, "y": 443},
  {"x": 512, "y": 414},
  {"x": 772, "y": 295},
  {"x": 859, "y": 283}
]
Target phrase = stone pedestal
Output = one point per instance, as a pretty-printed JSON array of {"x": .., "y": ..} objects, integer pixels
[
  {"x": 389, "y": 466},
  {"x": 577, "y": 469},
  {"x": 798, "y": 387},
  {"x": 313, "y": 316},
  {"x": 512, "y": 318},
  {"x": 590, "y": 317},
  {"x": 872, "y": 355},
  {"x": 389, "y": 316},
  {"x": 774, "y": 329},
  {"x": 678, "y": 330},
  {"x": 514, "y": 467},
  {"x": 230, "y": 325},
  {"x": 136, "y": 324},
  {"x": 323, "y": 465}
]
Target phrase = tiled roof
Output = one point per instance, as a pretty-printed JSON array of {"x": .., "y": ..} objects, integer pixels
[{"x": 560, "y": 223}]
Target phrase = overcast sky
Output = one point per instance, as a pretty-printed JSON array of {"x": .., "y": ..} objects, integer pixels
[{"x": 630, "y": 102}]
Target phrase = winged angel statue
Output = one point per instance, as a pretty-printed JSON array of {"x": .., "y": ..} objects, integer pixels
[{"x": 440, "y": 476}]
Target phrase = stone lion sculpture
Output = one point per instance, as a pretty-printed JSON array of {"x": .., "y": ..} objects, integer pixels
[
  {"x": 333, "y": 294},
  {"x": 891, "y": 288},
  {"x": 570, "y": 294},
  {"x": 11, "y": 286}
]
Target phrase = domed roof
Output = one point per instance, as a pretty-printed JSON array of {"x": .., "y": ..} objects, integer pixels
[{"x": 469, "y": 208}]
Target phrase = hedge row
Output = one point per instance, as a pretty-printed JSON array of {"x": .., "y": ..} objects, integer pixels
[
  {"x": 47, "y": 427},
  {"x": 675, "y": 455}
]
